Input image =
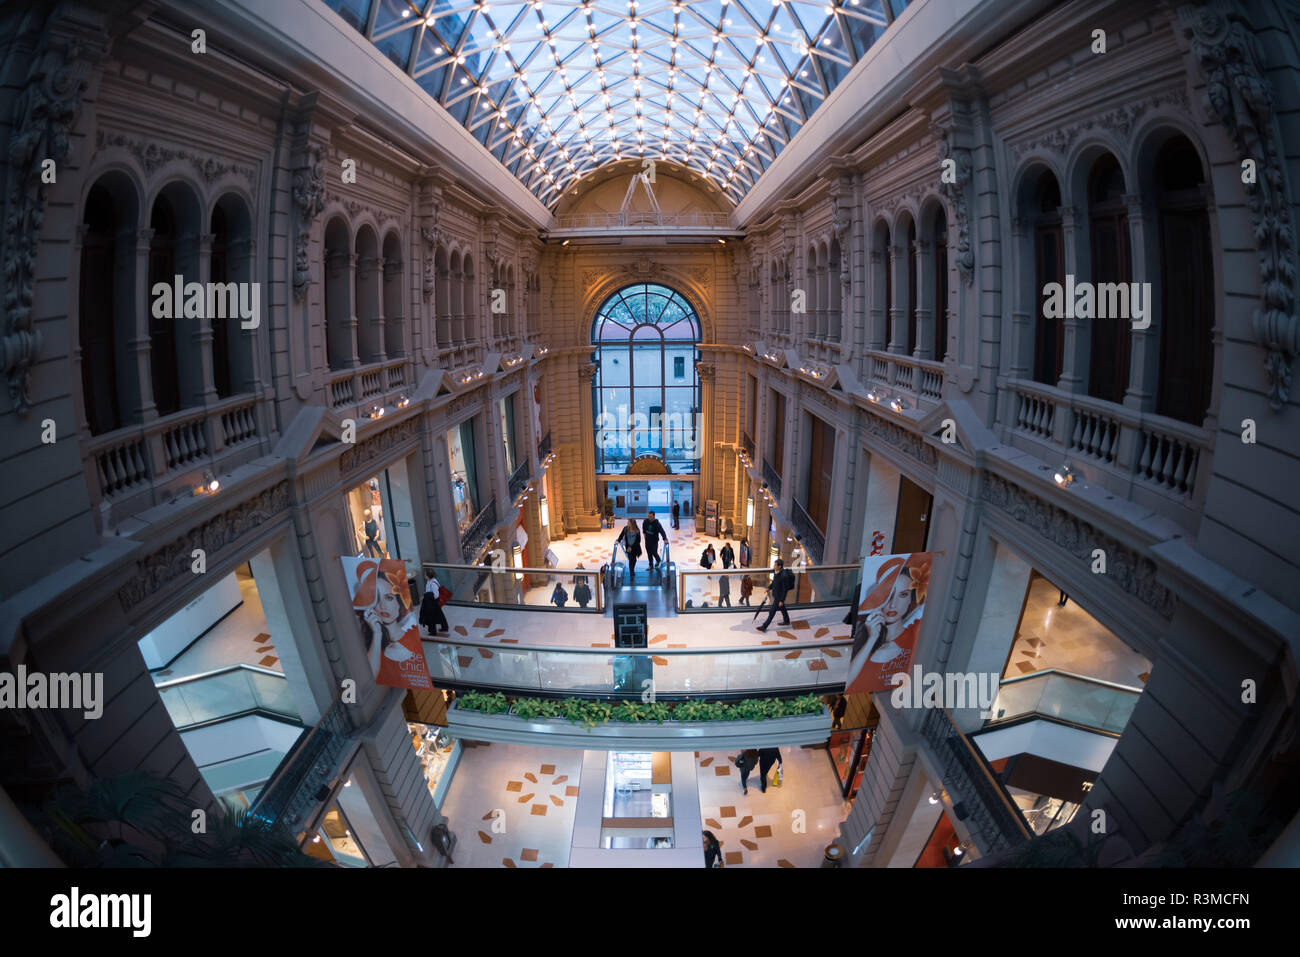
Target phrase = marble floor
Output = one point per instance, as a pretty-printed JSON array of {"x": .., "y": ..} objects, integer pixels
[
  {"x": 513, "y": 806},
  {"x": 788, "y": 826},
  {"x": 242, "y": 637},
  {"x": 1069, "y": 639}
]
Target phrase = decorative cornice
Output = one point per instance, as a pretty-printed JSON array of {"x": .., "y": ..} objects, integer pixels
[
  {"x": 44, "y": 114},
  {"x": 372, "y": 448},
  {"x": 153, "y": 157},
  {"x": 1240, "y": 96},
  {"x": 900, "y": 438},
  {"x": 308, "y": 201},
  {"x": 356, "y": 208},
  {"x": 1131, "y": 572},
  {"x": 173, "y": 561}
]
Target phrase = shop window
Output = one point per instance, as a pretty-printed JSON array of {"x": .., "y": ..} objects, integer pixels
[
  {"x": 507, "y": 410},
  {"x": 365, "y": 503},
  {"x": 464, "y": 476}
]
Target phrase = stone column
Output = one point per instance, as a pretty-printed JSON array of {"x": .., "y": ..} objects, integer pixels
[
  {"x": 897, "y": 309},
  {"x": 353, "y": 324},
  {"x": 1144, "y": 355},
  {"x": 1078, "y": 332},
  {"x": 198, "y": 371},
  {"x": 704, "y": 440},
  {"x": 925, "y": 305},
  {"x": 586, "y": 431},
  {"x": 143, "y": 408}
]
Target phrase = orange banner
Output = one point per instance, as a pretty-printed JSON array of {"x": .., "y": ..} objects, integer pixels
[
  {"x": 890, "y": 606},
  {"x": 389, "y": 620}
]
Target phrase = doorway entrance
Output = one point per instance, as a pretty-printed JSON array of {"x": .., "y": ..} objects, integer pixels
[{"x": 912, "y": 524}]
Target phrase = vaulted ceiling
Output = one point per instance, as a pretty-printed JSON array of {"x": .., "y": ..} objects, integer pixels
[{"x": 554, "y": 89}]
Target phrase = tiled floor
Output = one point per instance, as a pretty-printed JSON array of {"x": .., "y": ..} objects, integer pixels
[
  {"x": 530, "y": 794},
  {"x": 1069, "y": 639},
  {"x": 513, "y": 806},
  {"x": 241, "y": 637},
  {"x": 789, "y": 826}
]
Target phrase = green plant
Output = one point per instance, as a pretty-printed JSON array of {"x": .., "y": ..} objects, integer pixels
[{"x": 480, "y": 701}]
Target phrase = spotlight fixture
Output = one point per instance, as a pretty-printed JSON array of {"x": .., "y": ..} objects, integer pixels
[
  {"x": 1064, "y": 475},
  {"x": 209, "y": 485},
  {"x": 896, "y": 404},
  {"x": 874, "y": 396},
  {"x": 403, "y": 402},
  {"x": 934, "y": 797}
]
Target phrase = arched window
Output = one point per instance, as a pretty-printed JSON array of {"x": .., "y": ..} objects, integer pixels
[
  {"x": 909, "y": 295},
  {"x": 338, "y": 295},
  {"x": 230, "y": 262},
  {"x": 812, "y": 290},
  {"x": 162, "y": 330},
  {"x": 367, "y": 312},
  {"x": 442, "y": 297},
  {"x": 1108, "y": 230},
  {"x": 394, "y": 314},
  {"x": 646, "y": 391},
  {"x": 882, "y": 287},
  {"x": 939, "y": 237},
  {"x": 1186, "y": 284},
  {"x": 509, "y": 316},
  {"x": 457, "y": 280},
  {"x": 1049, "y": 266},
  {"x": 470, "y": 330},
  {"x": 835, "y": 291},
  {"x": 106, "y": 304}
]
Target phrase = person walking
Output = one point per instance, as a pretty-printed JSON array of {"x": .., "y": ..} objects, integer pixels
[
  {"x": 766, "y": 758},
  {"x": 728, "y": 555},
  {"x": 582, "y": 592},
  {"x": 677, "y": 515},
  {"x": 746, "y": 554},
  {"x": 652, "y": 531},
  {"x": 708, "y": 557},
  {"x": 782, "y": 582},
  {"x": 712, "y": 850},
  {"x": 630, "y": 539},
  {"x": 431, "y": 614},
  {"x": 724, "y": 590},
  {"x": 559, "y": 596},
  {"x": 746, "y": 761},
  {"x": 746, "y": 589}
]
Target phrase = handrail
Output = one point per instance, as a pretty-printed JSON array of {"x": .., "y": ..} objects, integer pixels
[
  {"x": 1068, "y": 674},
  {"x": 656, "y": 651},
  {"x": 258, "y": 669},
  {"x": 275, "y": 801}
]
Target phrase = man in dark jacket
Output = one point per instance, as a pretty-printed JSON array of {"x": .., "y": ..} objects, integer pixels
[
  {"x": 652, "y": 531},
  {"x": 746, "y": 761},
  {"x": 766, "y": 758},
  {"x": 728, "y": 555},
  {"x": 782, "y": 582},
  {"x": 677, "y": 514}
]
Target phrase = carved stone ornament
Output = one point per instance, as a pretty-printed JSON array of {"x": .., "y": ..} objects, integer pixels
[
  {"x": 431, "y": 236},
  {"x": 643, "y": 267},
  {"x": 706, "y": 370},
  {"x": 45, "y": 111},
  {"x": 173, "y": 561},
  {"x": 700, "y": 273},
  {"x": 900, "y": 438},
  {"x": 152, "y": 157},
  {"x": 590, "y": 277},
  {"x": 587, "y": 371},
  {"x": 356, "y": 208},
  {"x": 1133, "y": 573},
  {"x": 308, "y": 201},
  {"x": 1121, "y": 120},
  {"x": 841, "y": 225},
  {"x": 955, "y": 194},
  {"x": 365, "y": 452},
  {"x": 1240, "y": 97}
]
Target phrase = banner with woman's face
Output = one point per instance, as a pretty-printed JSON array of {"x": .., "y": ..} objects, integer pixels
[
  {"x": 388, "y": 621},
  {"x": 890, "y": 605}
]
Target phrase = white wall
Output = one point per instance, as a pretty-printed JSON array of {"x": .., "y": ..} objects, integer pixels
[{"x": 172, "y": 637}]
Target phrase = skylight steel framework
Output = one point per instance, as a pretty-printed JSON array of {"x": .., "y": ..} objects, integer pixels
[{"x": 556, "y": 88}]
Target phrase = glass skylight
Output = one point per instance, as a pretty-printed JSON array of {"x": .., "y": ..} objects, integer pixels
[{"x": 556, "y": 88}]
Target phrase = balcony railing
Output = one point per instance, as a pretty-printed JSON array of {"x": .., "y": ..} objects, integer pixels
[
  {"x": 478, "y": 532},
  {"x": 1084, "y": 702},
  {"x": 520, "y": 589},
  {"x": 519, "y": 479},
  {"x": 820, "y": 667},
  {"x": 747, "y": 444},
  {"x": 544, "y": 447},
  {"x": 919, "y": 379},
  {"x": 815, "y": 585},
  {"x": 1148, "y": 458},
  {"x": 970, "y": 783},
  {"x": 772, "y": 477},
  {"x": 633, "y": 218},
  {"x": 813, "y": 540},
  {"x": 314, "y": 760},
  {"x": 351, "y": 390},
  {"x": 132, "y": 460}
]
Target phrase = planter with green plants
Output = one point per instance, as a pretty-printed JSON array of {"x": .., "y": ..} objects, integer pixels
[{"x": 697, "y": 723}]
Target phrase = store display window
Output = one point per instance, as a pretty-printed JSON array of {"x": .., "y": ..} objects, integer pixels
[
  {"x": 464, "y": 477},
  {"x": 436, "y": 750},
  {"x": 367, "y": 507}
]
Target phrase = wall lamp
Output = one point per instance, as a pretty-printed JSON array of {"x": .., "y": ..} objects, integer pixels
[
  {"x": 1064, "y": 476},
  {"x": 897, "y": 404},
  {"x": 209, "y": 485}
]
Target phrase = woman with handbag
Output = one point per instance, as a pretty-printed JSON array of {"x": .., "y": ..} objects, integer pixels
[{"x": 431, "y": 614}]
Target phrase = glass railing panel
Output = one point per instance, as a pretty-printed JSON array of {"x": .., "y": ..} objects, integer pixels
[
  {"x": 814, "y": 585},
  {"x": 530, "y": 588},
  {"x": 1072, "y": 698},
  {"x": 490, "y": 667},
  {"x": 271, "y": 693},
  {"x": 225, "y": 693}
]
